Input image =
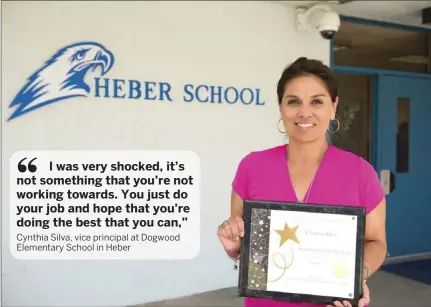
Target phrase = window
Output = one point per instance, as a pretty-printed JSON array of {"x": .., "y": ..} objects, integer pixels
[
  {"x": 403, "y": 135},
  {"x": 380, "y": 47}
]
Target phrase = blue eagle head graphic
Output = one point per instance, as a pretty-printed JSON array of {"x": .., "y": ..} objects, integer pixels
[{"x": 62, "y": 76}]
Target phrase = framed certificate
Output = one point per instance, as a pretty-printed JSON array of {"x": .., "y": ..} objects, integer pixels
[{"x": 302, "y": 252}]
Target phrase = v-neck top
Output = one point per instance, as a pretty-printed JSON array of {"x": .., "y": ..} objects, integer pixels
[{"x": 342, "y": 178}]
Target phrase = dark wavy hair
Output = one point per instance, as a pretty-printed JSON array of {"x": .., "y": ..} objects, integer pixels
[{"x": 306, "y": 67}]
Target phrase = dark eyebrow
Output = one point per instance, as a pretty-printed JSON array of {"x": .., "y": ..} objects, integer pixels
[{"x": 314, "y": 96}]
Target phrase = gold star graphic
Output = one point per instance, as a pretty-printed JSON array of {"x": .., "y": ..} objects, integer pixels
[{"x": 287, "y": 234}]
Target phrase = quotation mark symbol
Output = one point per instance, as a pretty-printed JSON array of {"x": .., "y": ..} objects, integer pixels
[{"x": 30, "y": 167}]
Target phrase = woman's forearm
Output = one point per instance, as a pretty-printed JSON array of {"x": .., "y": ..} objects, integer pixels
[{"x": 374, "y": 256}]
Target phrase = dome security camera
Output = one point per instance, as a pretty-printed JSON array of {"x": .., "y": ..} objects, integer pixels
[
  {"x": 320, "y": 17},
  {"x": 328, "y": 24}
]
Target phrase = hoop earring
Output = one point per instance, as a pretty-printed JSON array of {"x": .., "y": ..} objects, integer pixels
[
  {"x": 278, "y": 126},
  {"x": 338, "y": 127}
]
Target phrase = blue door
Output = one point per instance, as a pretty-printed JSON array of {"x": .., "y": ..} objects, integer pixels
[{"x": 404, "y": 148}]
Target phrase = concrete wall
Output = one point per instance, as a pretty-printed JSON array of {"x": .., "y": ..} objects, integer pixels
[{"x": 240, "y": 44}]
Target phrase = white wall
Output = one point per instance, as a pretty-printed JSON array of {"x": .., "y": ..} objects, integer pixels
[{"x": 244, "y": 44}]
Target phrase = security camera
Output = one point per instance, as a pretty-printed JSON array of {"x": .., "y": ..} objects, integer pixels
[
  {"x": 320, "y": 17},
  {"x": 328, "y": 24}
]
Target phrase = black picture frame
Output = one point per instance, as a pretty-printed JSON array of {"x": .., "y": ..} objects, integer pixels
[{"x": 244, "y": 290}]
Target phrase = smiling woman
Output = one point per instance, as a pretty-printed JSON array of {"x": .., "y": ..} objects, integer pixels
[
  {"x": 308, "y": 169},
  {"x": 307, "y": 97}
]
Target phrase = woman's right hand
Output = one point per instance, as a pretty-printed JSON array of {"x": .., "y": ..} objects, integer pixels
[{"x": 229, "y": 233}]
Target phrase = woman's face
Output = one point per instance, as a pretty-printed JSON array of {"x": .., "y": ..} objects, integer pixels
[{"x": 306, "y": 109}]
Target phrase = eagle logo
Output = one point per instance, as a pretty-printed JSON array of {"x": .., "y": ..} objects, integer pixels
[{"x": 62, "y": 77}]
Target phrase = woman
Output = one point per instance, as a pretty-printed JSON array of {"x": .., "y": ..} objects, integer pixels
[{"x": 316, "y": 172}]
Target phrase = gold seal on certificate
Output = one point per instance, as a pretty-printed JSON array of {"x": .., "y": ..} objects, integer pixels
[{"x": 302, "y": 252}]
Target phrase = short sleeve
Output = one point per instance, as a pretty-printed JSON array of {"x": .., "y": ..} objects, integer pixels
[
  {"x": 240, "y": 181},
  {"x": 371, "y": 190}
]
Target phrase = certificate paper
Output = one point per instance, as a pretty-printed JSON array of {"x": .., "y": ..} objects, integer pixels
[{"x": 302, "y": 252}]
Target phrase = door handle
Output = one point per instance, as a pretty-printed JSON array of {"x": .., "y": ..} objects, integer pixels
[{"x": 387, "y": 179}]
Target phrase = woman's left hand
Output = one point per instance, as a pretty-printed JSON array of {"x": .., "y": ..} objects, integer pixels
[{"x": 364, "y": 301}]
